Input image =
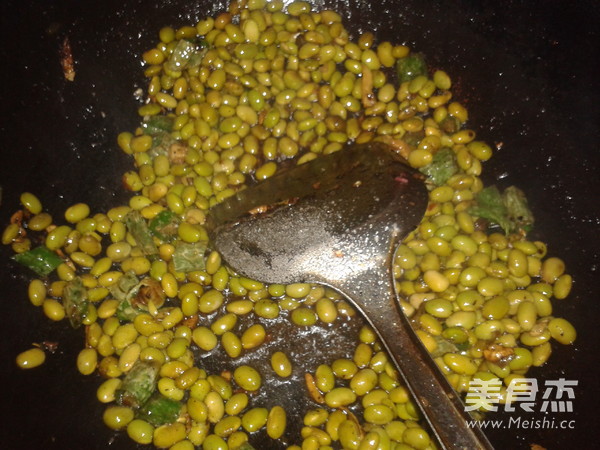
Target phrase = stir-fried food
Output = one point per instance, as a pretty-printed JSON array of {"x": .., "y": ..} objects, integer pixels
[{"x": 231, "y": 100}]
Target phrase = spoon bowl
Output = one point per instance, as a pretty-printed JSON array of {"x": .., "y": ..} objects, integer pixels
[{"x": 336, "y": 221}]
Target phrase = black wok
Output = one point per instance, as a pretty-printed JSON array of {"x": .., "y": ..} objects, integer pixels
[{"x": 527, "y": 71}]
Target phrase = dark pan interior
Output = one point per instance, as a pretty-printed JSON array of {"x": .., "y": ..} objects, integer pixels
[{"x": 527, "y": 71}]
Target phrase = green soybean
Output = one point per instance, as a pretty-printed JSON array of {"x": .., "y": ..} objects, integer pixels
[
  {"x": 247, "y": 378},
  {"x": 254, "y": 419},
  {"x": 339, "y": 396},
  {"x": 31, "y": 358},
  {"x": 562, "y": 331},
  {"x": 276, "y": 422}
]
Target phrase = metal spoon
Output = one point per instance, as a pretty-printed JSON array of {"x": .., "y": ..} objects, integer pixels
[{"x": 337, "y": 220}]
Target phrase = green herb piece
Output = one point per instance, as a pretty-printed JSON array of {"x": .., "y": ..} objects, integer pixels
[
  {"x": 189, "y": 257},
  {"x": 489, "y": 205},
  {"x": 518, "y": 209},
  {"x": 159, "y": 410},
  {"x": 139, "y": 384},
  {"x": 442, "y": 167},
  {"x": 41, "y": 260},
  {"x": 411, "y": 67},
  {"x": 75, "y": 302},
  {"x": 507, "y": 210},
  {"x": 164, "y": 225},
  {"x": 138, "y": 228}
]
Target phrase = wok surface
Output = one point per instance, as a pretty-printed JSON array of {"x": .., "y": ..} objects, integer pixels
[{"x": 527, "y": 72}]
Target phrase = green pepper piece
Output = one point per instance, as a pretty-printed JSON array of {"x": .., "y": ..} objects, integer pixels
[
  {"x": 245, "y": 446},
  {"x": 443, "y": 346},
  {"x": 450, "y": 125},
  {"x": 164, "y": 225},
  {"x": 411, "y": 67},
  {"x": 442, "y": 167},
  {"x": 181, "y": 55},
  {"x": 139, "y": 384},
  {"x": 158, "y": 124},
  {"x": 201, "y": 43},
  {"x": 463, "y": 346},
  {"x": 41, "y": 260},
  {"x": 138, "y": 228},
  {"x": 159, "y": 410},
  {"x": 126, "y": 312},
  {"x": 189, "y": 257},
  {"x": 196, "y": 57},
  {"x": 134, "y": 295},
  {"x": 75, "y": 302},
  {"x": 161, "y": 142},
  {"x": 187, "y": 53},
  {"x": 122, "y": 288}
]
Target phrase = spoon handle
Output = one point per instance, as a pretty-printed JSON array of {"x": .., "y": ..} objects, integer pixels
[{"x": 439, "y": 403}]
